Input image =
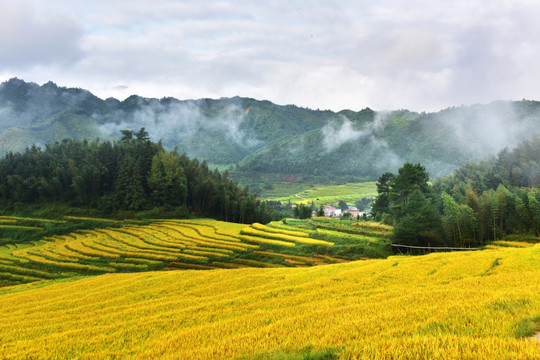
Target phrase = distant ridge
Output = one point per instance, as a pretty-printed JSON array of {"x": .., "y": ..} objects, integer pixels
[{"x": 260, "y": 138}]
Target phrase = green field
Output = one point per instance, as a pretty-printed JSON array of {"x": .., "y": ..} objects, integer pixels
[{"x": 321, "y": 194}]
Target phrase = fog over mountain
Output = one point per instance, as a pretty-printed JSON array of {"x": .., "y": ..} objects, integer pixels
[{"x": 265, "y": 138}]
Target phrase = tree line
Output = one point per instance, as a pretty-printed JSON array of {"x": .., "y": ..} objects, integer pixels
[
  {"x": 133, "y": 174},
  {"x": 478, "y": 203}
]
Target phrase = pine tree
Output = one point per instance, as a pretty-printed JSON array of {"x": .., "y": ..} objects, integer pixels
[{"x": 129, "y": 191}]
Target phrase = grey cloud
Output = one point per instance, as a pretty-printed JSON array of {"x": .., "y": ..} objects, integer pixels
[
  {"x": 421, "y": 55},
  {"x": 29, "y": 38}
]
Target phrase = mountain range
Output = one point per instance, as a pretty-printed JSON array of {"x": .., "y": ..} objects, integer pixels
[{"x": 258, "y": 138}]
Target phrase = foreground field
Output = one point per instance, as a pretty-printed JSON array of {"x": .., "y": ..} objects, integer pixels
[{"x": 469, "y": 305}]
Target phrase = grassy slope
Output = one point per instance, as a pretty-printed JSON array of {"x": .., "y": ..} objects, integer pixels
[{"x": 465, "y": 305}]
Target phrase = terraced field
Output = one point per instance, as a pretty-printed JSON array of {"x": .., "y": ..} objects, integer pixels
[
  {"x": 325, "y": 194},
  {"x": 463, "y": 305},
  {"x": 201, "y": 244}
]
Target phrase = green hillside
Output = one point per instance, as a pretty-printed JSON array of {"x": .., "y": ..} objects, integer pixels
[
  {"x": 361, "y": 150},
  {"x": 261, "y": 140}
]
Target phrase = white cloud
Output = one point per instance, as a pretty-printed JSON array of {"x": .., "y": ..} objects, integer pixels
[
  {"x": 29, "y": 38},
  {"x": 421, "y": 55}
]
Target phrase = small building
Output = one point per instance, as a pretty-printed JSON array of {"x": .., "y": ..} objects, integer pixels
[
  {"x": 354, "y": 212},
  {"x": 329, "y": 211}
]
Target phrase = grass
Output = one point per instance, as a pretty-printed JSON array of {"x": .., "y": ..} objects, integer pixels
[
  {"x": 527, "y": 327},
  {"x": 304, "y": 354}
]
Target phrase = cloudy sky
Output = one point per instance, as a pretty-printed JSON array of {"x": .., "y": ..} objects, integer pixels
[{"x": 423, "y": 55}]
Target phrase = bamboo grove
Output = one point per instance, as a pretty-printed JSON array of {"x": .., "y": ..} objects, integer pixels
[
  {"x": 479, "y": 202},
  {"x": 133, "y": 173}
]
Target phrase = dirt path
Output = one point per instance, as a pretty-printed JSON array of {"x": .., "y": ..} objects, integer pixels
[{"x": 536, "y": 337}]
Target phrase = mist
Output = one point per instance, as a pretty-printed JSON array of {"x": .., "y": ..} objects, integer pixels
[
  {"x": 487, "y": 129},
  {"x": 172, "y": 122},
  {"x": 362, "y": 140},
  {"x": 226, "y": 131},
  {"x": 337, "y": 132}
]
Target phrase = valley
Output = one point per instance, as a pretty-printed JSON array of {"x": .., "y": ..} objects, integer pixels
[{"x": 202, "y": 229}]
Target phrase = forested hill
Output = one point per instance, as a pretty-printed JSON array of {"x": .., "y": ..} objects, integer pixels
[
  {"x": 127, "y": 175},
  {"x": 263, "y": 138},
  {"x": 441, "y": 141},
  {"x": 220, "y": 131}
]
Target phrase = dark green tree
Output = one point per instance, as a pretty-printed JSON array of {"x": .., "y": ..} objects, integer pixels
[
  {"x": 343, "y": 205},
  {"x": 129, "y": 191},
  {"x": 302, "y": 211},
  {"x": 167, "y": 180},
  {"x": 410, "y": 178},
  {"x": 421, "y": 225},
  {"x": 381, "y": 206}
]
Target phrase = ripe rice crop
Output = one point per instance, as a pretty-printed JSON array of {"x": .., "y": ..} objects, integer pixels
[
  {"x": 128, "y": 266},
  {"x": 133, "y": 247},
  {"x": 192, "y": 235},
  {"x": 264, "y": 240},
  {"x": 355, "y": 237},
  {"x": 160, "y": 237},
  {"x": 460, "y": 305},
  {"x": 94, "y": 219},
  {"x": 255, "y": 263},
  {"x": 25, "y": 271},
  {"x": 295, "y": 262},
  {"x": 303, "y": 259},
  {"x": 353, "y": 229},
  {"x": 81, "y": 248},
  {"x": 11, "y": 278},
  {"x": 7, "y": 221},
  {"x": 373, "y": 225},
  {"x": 205, "y": 253},
  {"x": 18, "y": 218},
  {"x": 20, "y": 227},
  {"x": 278, "y": 236},
  {"x": 279, "y": 230},
  {"x": 179, "y": 265},
  {"x": 228, "y": 265},
  {"x": 512, "y": 243},
  {"x": 331, "y": 259},
  {"x": 204, "y": 229},
  {"x": 35, "y": 258}
]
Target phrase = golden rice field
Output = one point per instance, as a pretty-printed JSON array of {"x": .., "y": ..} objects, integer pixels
[
  {"x": 462, "y": 305},
  {"x": 175, "y": 244}
]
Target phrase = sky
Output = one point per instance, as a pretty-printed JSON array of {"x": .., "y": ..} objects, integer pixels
[{"x": 419, "y": 55}]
